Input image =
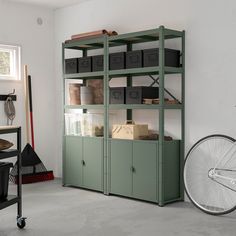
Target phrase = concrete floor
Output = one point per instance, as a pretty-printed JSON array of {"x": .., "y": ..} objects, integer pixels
[{"x": 54, "y": 210}]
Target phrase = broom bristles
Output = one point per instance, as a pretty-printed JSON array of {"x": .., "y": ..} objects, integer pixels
[{"x": 33, "y": 178}]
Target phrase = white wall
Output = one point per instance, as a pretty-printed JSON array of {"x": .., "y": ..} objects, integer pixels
[
  {"x": 18, "y": 26},
  {"x": 210, "y": 52}
]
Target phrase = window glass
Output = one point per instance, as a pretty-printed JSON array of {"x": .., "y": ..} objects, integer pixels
[{"x": 9, "y": 62}]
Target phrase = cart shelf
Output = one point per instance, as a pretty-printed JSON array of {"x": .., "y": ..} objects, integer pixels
[
  {"x": 10, "y": 200},
  {"x": 8, "y": 153}
]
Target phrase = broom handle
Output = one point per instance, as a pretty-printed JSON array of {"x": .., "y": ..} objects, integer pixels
[
  {"x": 31, "y": 111},
  {"x": 26, "y": 103}
]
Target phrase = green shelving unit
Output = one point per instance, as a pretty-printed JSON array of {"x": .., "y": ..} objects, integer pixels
[{"x": 140, "y": 169}]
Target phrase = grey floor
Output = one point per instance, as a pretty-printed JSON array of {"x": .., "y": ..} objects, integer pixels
[{"x": 54, "y": 210}]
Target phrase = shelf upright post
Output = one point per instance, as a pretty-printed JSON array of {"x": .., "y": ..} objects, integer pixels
[
  {"x": 19, "y": 178},
  {"x": 182, "y": 147},
  {"x": 129, "y": 83},
  {"x": 106, "y": 160},
  {"x": 63, "y": 115},
  {"x": 84, "y": 54},
  {"x": 161, "y": 116}
]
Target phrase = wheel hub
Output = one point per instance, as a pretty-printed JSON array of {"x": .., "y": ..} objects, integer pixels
[{"x": 211, "y": 173}]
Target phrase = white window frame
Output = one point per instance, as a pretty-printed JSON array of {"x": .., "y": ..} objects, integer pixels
[{"x": 15, "y": 60}]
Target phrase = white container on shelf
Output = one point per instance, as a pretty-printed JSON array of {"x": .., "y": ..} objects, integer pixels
[
  {"x": 86, "y": 95},
  {"x": 72, "y": 124}
]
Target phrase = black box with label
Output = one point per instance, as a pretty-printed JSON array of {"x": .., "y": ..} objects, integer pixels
[
  {"x": 135, "y": 95},
  {"x": 117, "y": 95},
  {"x": 71, "y": 65},
  {"x": 117, "y": 61},
  {"x": 85, "y": 64},
  {"x": 134, "y": 59},
  {"x": 151, "y": 57},
  {"x": 97, "y": 63}
]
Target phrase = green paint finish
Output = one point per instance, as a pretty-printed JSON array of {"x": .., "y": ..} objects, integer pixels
[
  {"x": 87, "y": 75},
  {"x": 121, "y": 164},
  {"x": 93, "y": 167},
  {"x": 145, "y": 170},
  {"x": 157, "y": 164},
  {"x": 73, "y": 161},
  {"x": 161, "y": 116},
  {"x": 106, "y": 116},
  {"x": 87, "y": 107},
  {"x": 143, "y": 106},
  {"x": 171, "y": 167}
]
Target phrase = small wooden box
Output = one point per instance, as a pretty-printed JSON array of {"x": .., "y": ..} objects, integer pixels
[{"x": 130, "y": 130}]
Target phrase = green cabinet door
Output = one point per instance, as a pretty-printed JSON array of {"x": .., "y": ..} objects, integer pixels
[
  {"x": 171, "y": 168},
  {"x": 73, "y": 161},
  {"x": 145, "y": 170},
  {"x": 93, "y": 163},
  {"x": 121, "y": 163}
]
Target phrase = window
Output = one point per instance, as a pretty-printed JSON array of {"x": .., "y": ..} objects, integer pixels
[{"x": 9, "y": 62}]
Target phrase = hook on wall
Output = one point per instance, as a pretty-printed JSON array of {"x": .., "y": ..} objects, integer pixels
[{"x": 3, "y": 97}]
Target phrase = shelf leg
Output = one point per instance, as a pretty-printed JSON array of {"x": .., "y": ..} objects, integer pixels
[
  {"x": 161, "y": 187},
  {"x": 19, "y": 177}
]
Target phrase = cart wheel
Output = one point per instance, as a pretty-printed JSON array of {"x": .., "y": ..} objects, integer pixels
[{"x": 21, "y": 223}]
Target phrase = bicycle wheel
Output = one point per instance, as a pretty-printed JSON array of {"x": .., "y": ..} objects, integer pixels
[{"x": 206, "y": 194}]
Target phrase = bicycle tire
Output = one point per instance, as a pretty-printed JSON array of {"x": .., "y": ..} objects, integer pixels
[{"x": 189, "y": 194}]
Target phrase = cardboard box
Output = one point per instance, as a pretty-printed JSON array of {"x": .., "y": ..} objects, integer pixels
[{"x": 130, "y": 130}]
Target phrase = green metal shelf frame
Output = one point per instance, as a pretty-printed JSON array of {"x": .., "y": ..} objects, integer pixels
[
  {"x": 144, "y": 106},
  {"x": 144, "y": 71},
  {"x": 87, "y": 107},
  {"x": 104, "y": 42},
  {"x": 88, "y": 75}
]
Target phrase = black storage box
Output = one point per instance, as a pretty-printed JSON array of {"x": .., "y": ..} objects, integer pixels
[
  {"x": 135, "y": 95},
  {"x": 71, "y": 65},
  {"x": 151, "y": 57},
  {"x": 134, "y": 59},
  {"x": 4, "y": 178},
  {"x": 85, "y": 64},
  {"x": 117, "y": 61},
  {"x": 97, "y": 63},
  {"x": 117, "y": 95}
]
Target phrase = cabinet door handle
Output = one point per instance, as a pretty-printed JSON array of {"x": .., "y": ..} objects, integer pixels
[
  {"x": 132, "y": 169},
  {"x": 83, "y": 162}
]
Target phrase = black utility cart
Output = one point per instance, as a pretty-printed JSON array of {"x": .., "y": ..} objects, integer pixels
[{"x": 14, "y": 199}]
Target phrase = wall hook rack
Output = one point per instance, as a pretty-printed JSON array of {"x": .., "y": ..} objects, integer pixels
[{"x": 3, "y": 97}]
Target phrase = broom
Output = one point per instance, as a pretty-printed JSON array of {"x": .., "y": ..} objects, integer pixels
[{"x": 33, "y": 170}]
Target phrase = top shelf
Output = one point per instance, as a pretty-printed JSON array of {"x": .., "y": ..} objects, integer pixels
[
  {"x": 143, "y": 37},
  {"x": 9, "y": 129},
  {"x": 97, "y": 42}
]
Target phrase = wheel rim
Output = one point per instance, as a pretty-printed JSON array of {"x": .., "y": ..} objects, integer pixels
[{"x": 206, "y": 193}]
